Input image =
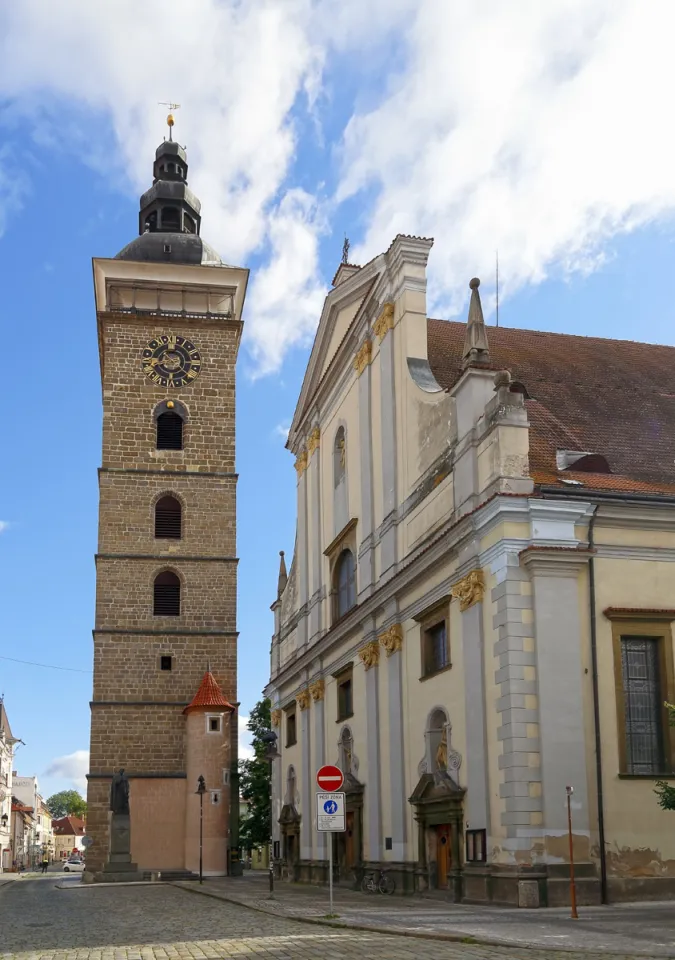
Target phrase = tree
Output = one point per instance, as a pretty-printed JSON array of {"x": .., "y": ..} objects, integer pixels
[
  {"x": 67, "y": 803},
  {"x": 255, "y": 782},
  {"x": 663, "y": 790}
]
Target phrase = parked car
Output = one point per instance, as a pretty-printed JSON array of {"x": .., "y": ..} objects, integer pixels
[{"x": 74, "y": 865}]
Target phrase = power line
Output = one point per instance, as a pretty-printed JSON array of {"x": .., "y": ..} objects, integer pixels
[{"x": 47, "y": 666}]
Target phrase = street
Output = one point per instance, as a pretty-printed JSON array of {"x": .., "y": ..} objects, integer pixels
[{"x": 52, "y": 918}]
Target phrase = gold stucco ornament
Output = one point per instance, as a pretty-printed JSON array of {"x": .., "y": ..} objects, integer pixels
[
  {"x": 370, "y": 654},
  {"x": 276, "y": 717},
  {"x": 317, "y": 690},
  {"x": 302, "y": 699},
  {"x": 392, "y": 639},
  {"x": 469, "y": 590}
]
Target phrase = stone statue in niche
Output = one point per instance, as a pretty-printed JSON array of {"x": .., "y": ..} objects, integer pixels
[
  {"x": 442, "y": 752},
  {"x": 119, "y": 793}
]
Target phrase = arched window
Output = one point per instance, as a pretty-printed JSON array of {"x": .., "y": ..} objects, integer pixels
[
  {"x": 345, "y": 582},
  {"x": 168, "y": 517},
  {"x": 169, "y": 431},
  {"x": 339, "y": 457},
  {"x": 166, "y": 595}
]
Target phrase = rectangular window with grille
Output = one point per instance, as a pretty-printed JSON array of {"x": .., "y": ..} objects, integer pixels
[
  {"x": 435, "y": 648},
  {"x": 643, "y": 704}
]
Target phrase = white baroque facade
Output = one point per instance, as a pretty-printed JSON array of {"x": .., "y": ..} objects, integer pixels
[{"x": 477, "y": 614}]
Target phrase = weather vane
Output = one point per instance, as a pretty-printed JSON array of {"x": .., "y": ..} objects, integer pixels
[
  {"x": 169, "y": 120},
  {"x": 345, "y": 250}
]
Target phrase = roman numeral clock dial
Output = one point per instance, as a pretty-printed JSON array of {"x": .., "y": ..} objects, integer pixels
[{"x": 171, "y": 361}]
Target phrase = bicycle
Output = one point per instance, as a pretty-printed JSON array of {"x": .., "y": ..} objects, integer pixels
[{"x": 384, "y": 884}]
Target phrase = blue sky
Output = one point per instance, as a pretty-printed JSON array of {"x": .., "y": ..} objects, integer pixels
[{"x": 529, "y": 132}]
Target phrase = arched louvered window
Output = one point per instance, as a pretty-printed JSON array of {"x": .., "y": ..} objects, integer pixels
[
  {"x": 169, "y": 431},
  {"x": 168, "y": 516},
  {"x": 166, "y": 595}
]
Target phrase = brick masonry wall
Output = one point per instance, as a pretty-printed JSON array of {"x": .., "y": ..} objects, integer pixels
[
  {"x": 127, "y": 514},
  {"x": 124, "y": 594},
  {"x": 142, "y": 733},
  {"x": 129, "y": 397},
  {"x": 127, "y": 667}
]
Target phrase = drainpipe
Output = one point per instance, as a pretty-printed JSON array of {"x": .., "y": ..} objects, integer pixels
[{"x": 596, "y": 711}]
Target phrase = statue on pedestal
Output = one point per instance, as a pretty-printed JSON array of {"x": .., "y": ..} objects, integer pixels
[{"x": 119, "y": 793}]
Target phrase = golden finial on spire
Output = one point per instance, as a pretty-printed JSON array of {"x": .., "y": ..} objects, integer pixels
[{"x": 170, "y": 120}]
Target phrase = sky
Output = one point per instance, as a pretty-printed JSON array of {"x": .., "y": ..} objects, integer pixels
[{"x": 541, "y": 130}]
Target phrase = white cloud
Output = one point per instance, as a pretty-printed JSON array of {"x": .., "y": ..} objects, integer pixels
[
  {"x": 536, "y": 128},
  {"x": 73, "y": 767},
  {"x": 237, "y": 71},
  {"x": 4, "y": 524},
  {"x": 245, "y": 748},
  {"x": 281, "y": 429}
]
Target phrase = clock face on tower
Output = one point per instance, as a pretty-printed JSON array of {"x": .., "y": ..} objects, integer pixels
[{"x": 171, "y": 361}]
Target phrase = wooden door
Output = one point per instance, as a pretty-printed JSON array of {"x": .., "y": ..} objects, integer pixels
[
  {"x": 350, "y": 859},
  {"x": 443, "y": 855}
]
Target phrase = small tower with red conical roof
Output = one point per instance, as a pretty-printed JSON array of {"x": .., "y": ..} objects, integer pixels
[{"x": 207, "y": 750}]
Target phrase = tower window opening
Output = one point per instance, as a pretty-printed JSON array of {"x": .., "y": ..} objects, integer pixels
[
  {"x": 168, "y": 518},
  {"x": 170, "y": 218},
  {"x": 152, "y": 221},
  {"x": 166, "y": 601},
  {"x": 165, "y": 663},
  {"x": 189, "y": 224},
  {"x": 169, "y": 431}
]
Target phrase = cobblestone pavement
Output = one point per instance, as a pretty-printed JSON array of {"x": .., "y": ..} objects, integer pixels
[
  {"x": 647, "y": 929},
  {"x": 40, "y": 921}
]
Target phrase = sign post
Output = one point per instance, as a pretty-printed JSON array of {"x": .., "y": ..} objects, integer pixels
[{"x": 330, "y": 813}]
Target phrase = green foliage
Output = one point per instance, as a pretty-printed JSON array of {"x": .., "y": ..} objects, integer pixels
[
  {"x": 255, "y": 782},
  {"x": 67, "y": 803},
  {"x": 664, "y": 792}
]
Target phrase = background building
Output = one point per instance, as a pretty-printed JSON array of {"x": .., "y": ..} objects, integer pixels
[
  {"x": 169, "y": 325},
  {"x": 479, "y": 608},
  {"x": 68, "y": 836},
  {"x": 7, "y": 741}
]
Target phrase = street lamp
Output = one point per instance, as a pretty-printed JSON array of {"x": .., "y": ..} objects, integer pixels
[
  {"x": 269, "y": 738},
  {"x": 201, "y": 790}
]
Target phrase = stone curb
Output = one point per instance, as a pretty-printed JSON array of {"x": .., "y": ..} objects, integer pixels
[{"x": 414, "y": 934}]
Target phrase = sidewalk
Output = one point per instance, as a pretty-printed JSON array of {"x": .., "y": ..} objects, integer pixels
[
  {"x": 8, "y": 878},
  {"x": 646, "y": 929}
]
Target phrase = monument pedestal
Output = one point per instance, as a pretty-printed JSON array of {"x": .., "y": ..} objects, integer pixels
[{"x": 119, "y": 868}]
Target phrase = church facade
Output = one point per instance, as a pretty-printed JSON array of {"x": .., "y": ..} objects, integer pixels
[
  {"x": 169, "y": 318},
  {"x": 478, "y": 614}
]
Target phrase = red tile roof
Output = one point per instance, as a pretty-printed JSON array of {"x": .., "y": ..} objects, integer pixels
[
  {"x": 68, "y": 827},
  {"x": 209, "y": 695},
  {"x": 611, "y": 397}
]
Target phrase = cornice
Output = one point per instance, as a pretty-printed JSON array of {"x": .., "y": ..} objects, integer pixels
[{"x": 665, "y": 615}]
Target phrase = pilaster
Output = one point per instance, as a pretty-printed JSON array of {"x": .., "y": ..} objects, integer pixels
[
  {"x": 317, "y": 692},
  {"x": 391, "y": 641},
  {"x": 306, "y": 823},
  {"x": 388, "y": 542},
  {"x": 370, "y": 657},
  {"x": 470, "y": 591},
  {"x": 313, "y": 474},
  {"x": 302, "y": 548},
  {"x": 366, "y": 564}
]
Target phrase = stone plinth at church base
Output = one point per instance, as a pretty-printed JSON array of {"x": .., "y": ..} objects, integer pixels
[{"x": 120, "y": 868}]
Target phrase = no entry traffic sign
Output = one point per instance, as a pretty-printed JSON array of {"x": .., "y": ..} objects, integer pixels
[{"x": 329, "y": 778}]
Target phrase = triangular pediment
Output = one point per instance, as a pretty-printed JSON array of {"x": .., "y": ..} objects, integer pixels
[{"x": 335, "y": 341}]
